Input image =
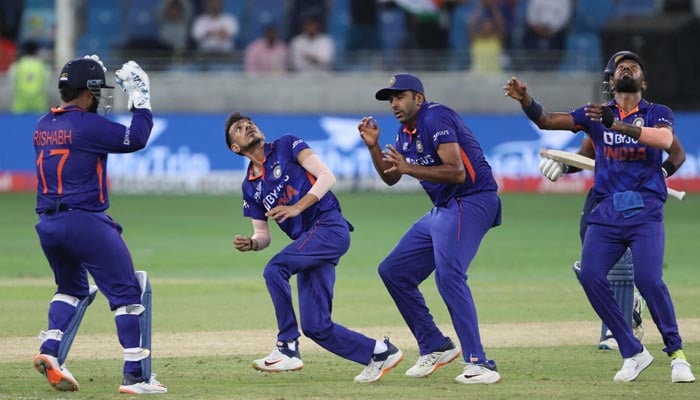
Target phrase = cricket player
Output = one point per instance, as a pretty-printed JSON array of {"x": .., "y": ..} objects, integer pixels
[
  {"x": 434, "y": 146},
  {"x": 77, "y": 236},
  {"x": 288, "y": 183},
  {"x": 629, "y": 135}
]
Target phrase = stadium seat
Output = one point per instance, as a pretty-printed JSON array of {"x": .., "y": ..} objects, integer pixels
[
  {"x": 338, "y": 23},
  {"x": 583, "y": 52},
  {"x": 256, "y": 16},
  {"x": 592, "y": 15},
  {"x": 635, "y": 7},
  {"x": 459, "y": 37},
  {"x": 141, "y": 19}
]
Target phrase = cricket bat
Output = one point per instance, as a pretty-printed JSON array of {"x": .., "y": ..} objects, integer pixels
[{"x": 583, "y": 162}]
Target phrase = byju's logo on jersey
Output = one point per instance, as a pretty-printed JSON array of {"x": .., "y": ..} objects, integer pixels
[{"x": 612, "y": 138}]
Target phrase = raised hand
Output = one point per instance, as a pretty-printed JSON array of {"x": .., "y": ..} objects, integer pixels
[
  {"x": 515, "y": 89},
  {"x": 134, "y": 81},
  {"x": 369, "y": 131}
]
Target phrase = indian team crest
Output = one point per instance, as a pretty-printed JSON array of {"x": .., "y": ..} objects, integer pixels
[
  {"x": 419, "y": 146},
  {"x": 277, "y": 171},
  {"x": 392, "y": 81},
  {"x": 638, "y": 122}
]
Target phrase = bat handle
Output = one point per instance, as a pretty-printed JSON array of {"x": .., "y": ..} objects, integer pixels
[{"x": 680, "y": 195}]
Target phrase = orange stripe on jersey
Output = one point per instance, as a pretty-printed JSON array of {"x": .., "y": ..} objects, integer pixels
[
  {"x": 468, "y": 165},
  {"x": 100, "y": 184},
  {"x": 312, "y": 178},
  {"x": 623, "y": 114}
]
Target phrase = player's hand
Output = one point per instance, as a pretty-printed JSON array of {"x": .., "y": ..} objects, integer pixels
[
  {"x": 599, "y": 113},
  {"x": 134, "y": 81},
  {"x": 369, "y": 131},
  {"x": 552, "y": 169},
  {"x": 281, "y": 213},
  {"x": 95, "y": 57},
  {"x": 243, "y": 243},
  {"x": 515, "y": 89},
  {"x": 396, "y": 159}
]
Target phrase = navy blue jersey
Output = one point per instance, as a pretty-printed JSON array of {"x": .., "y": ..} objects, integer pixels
[
  {"x": 622, "y": 163},
  {"x": 284, "y": 182},
  {"x": 71, "y": 155},
  {"x": 438, "y": 124}
]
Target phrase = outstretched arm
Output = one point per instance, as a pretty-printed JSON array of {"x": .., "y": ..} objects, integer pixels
[{"x": 544, "y": 119}]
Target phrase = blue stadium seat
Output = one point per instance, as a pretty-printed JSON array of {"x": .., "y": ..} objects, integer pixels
[
  {"x": 635, "y": 7},
  {"x": 338, "y": 24},
  {"x": 592, "y": 15},
  {"x": 257, "y": 15},
  {"x": 459, "y": 37},
  {"x": 392, "y": 29},
  {"x": 583, "y": 52},
  {"x": 142, "y": 20}
]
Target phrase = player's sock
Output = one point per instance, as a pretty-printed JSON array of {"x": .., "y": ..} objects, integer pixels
[
  {"x": 380, "y": 347},
  {"x": 678, "y": 354}
]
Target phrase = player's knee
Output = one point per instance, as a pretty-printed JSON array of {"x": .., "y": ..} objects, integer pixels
[{"x": 316, "y": 331}]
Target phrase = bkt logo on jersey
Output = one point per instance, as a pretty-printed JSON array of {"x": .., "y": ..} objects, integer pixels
[{"x": 612, "y": 138}]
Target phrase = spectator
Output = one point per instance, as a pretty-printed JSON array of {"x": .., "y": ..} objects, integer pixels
[
  {"x": 267, "y": 54},
  {"x": 486, "y": 29},
  {"x": 312, "y": 50},
  {"x": 30, "y": 78},
  {"x": 174, "y": 20},
  {"x": 545, "y": 32},
  {"x": 214, "y": 31}
]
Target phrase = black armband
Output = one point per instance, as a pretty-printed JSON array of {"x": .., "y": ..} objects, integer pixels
[
  {"x": 607, "y": 117},
  {"x": 668, "y": 168},
  {"x": 533, "y": 111}
]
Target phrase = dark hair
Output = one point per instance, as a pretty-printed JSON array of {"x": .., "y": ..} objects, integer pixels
[
  {"x": 68, "y": 93},
  {"x": 232, "y": 119}
]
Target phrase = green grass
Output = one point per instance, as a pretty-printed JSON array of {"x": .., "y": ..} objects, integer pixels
[{"x": 521, "y": 274}]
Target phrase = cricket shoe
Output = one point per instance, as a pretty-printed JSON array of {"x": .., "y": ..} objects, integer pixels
[
  {"x": 609, "y": 343},
  {"x": 680, "y": 371},
  {"x": 485, "y": 373},
  {"x": 282, "y": 358},
  {"x": 633, "y": 366},
  {"x": 380, "y": 364},
  {"x": 136, "y": 385},
  {"x": 428, "y": 363},
  {"x": 58, "y": 375}
]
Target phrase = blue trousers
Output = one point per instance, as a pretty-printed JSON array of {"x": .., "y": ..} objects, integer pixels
[
  {"x": 76, "y": 243},
  {"x": 312, "y": 258},
  {"x": 444, "y": 240},
  {"x": 607, "y": 237}
]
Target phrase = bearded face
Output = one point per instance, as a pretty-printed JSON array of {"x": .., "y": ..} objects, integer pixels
[{"x": 628, "y": 85}]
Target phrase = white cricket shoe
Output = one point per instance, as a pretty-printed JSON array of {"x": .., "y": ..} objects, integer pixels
[
  {"x": 609, "y": 343},
  {"x": 633, "y": 366},
  {"x": 133, "y": 385},
  {"x": 380, "y": 364},
  {"x": 58, "y": 375},
  {"x": 485, "y": 373},
  {"x": 282, "y": 358},
  {"x": 680, "y": 371},
  {"x": 428, "y": 363}
]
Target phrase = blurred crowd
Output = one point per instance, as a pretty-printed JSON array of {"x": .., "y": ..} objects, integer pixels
[{"x": 317, "y": 36}]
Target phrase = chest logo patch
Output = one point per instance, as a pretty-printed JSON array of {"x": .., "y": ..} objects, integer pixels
[
  {"x": 638, "y": 122},
  {"x": 277, "y": 171},
  {"x": 419, "y": 146}
]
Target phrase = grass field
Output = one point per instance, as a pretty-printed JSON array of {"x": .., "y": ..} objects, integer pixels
[{"x": 212, "y": 314}]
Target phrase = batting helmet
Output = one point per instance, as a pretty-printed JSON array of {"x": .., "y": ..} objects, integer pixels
[
  {"x": 83, "y": 73},
  {"x": 612, "y": 65}
]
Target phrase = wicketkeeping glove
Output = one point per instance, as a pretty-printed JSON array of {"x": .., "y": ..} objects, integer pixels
[
  {"x": 134, "y": 81},
  {"x": 552, "y": 169}
]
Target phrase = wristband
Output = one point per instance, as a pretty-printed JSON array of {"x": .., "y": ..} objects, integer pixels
[
  {"x": 533, "y": 111},
  {"x": 668, "y": 168},
  {"x": 607, "y": 117}
]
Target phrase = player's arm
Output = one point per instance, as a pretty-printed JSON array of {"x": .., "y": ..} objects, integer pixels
[
  {"x": 450, "y": 171},
  {"x": 543, "y": 119},
  {"x": 659, "y": 136},
  {"x": 676, "y": 157},
  {"x": 259, "y": 240},
  {"x": 324, "y": 181},
  {"x": 369, "y": 132}
]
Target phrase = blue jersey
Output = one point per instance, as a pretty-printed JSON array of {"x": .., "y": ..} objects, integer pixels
[
  {"x": 622, "y": 163},
  {"x": 71, "y": 155},
  {"x": 438, "y": 124},
  {"x": 284, "y": 182}
]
